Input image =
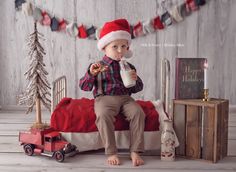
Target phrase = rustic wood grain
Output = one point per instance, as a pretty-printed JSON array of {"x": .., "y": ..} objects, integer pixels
[
  {"x": 179, "y": 127},
  {"x": 144, "y": 58},
  {"x": 209, "y": 133},
  {"x": 193, "y": 132},
  {"x": 207, "y": 128},
  {"x": 86, "y": 52},
  {"x": 92, "y": 163},
  {"x": 205, "y": 33},
  {"x": 12, "y": 157}
]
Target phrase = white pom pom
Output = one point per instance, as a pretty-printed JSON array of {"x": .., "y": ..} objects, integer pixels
[{"x": 128, "y": 54}]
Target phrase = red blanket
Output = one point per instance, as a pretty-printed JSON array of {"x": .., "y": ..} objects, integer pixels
[{"x": 77, "y": 115}]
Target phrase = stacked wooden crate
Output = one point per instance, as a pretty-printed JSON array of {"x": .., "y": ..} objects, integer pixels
[{"x": 202, "y": 128}]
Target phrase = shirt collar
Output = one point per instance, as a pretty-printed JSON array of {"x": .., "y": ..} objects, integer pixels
[{"x": 108, "y": 60}]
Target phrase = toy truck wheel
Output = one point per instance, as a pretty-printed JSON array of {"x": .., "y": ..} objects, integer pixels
[
  {"x": 29, "y": 150},
  {"x": 59, "y": 156}
]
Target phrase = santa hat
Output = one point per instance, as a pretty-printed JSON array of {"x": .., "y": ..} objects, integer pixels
[{"x": 114, "y": 30}]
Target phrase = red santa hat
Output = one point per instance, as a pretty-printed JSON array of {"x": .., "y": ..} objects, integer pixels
[{"x": 114, "y": 30}]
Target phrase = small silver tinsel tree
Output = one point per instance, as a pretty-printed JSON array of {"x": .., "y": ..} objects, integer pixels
[{"x": 38, "y": 89}]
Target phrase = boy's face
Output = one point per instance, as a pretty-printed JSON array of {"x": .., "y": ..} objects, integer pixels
[{"x": 116, "y": 49}]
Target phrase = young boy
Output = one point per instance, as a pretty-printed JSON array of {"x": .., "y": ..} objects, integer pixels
[{"x": 111, "y": 96}]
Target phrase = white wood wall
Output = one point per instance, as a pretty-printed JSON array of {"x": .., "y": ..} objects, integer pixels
[{"x": 210, "y": 33}]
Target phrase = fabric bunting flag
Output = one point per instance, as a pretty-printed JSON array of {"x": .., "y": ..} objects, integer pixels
[
  {"x": 54, "y": 24},
  {"x": 72, "y": 29},
  {"x": 191, "y": 5},
  {"x": 166, "y": 17},
  {"x": 62, "y": 25},
  {"x": 157, "y": 23},
  {"x": 27, "y": 9},
  {"x": 138, "y": 30},
  {"x": 46, "y": 21},
  {"x": 82, "y": 32},
  {"x": 175, "y": 14}
]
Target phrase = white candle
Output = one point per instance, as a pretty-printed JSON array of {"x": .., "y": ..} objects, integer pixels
[{"x": 205, "y": 75}]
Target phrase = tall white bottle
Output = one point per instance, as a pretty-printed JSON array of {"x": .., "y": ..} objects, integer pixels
[
  {"x": 125, "y": 72},
  {"x": 168, "y": 142}
]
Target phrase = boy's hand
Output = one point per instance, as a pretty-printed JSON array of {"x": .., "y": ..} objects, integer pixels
[
  {"x": 95, "y": 68},
  {"x": 134, "y": 75}
]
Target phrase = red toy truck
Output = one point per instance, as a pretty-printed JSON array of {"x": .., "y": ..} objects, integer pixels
[{"x": 46, "y": 142}]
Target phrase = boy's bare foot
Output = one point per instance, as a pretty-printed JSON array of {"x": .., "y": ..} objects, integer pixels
[
  {"x": 113, "y": 160},
  {"x": 136, "y": 159}
]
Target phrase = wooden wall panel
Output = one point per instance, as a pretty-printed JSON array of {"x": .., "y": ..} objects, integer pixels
[
  {"x": 91, "y": 12},
  {"x": 144, "y": 58},
  {"x": 59, "y": 47},
  {"x": 208, "y": 33},
  {"x": 13, "y": 31}
]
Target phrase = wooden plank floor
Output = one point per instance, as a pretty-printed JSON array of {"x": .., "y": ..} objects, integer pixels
[{"x": 13, "y": 159}]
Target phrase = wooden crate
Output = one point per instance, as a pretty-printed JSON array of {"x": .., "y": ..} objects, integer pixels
[{"x": 202, "y": 128}]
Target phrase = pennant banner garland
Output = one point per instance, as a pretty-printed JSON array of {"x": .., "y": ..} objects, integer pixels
[{"x": 166, "y": 17}]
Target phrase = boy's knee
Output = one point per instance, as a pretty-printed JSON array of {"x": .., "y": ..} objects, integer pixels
[
  {"x": 141, "y": 114},
  {"x": 104, "y": 116},
  {"x": 137, "y": 112}
]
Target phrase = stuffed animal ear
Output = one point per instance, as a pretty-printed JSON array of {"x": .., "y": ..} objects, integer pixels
[{"x": 128, "y": 54}]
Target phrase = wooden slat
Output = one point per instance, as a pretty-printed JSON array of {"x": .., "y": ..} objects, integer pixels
[
  {"x": 58, "y": 91},
  {"x": 15, "y": 126},
  {"x": 18, "y": 114},
  {"x": 19, "y": 162},
  {"x": 12, "y": 158},
  {"x": 231, "y": 123},
  {"x": 208, "y": 134},
  {"x": 220, "y": 131},
  {"x": 231, "y": 147},
  {"x": 199, "y": 102},
  {"x": 224, "y": 120},
  {"x": 193, "y": 132},
  {"x": 9, "y": 133},
  {"x": 179, "y": 126},
  {"x": 232, "y": 133},
  {"x": 10, "y": 144}
]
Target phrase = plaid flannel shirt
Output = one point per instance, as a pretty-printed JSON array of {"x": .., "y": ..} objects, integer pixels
[{"x": 111, "y": 80}]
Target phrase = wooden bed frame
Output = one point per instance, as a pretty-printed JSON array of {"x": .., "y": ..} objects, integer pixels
[{"x": 92, "y": 141}]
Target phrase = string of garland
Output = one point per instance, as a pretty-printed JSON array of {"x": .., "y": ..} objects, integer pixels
[{"x": 166, "y": 18}]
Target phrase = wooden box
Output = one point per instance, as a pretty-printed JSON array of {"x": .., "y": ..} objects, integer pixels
[{"x": 202, "y": 128}]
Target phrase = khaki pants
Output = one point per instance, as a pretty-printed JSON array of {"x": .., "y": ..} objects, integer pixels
[{"x": 106, "y": 108}]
